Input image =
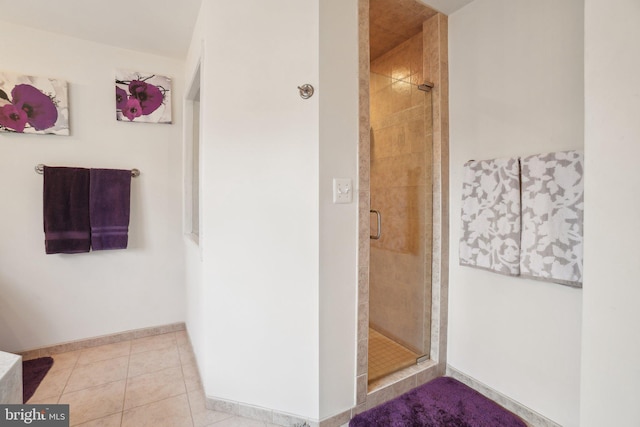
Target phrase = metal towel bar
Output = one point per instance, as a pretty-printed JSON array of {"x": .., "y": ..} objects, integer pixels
[{"x": 40, "y": 169}]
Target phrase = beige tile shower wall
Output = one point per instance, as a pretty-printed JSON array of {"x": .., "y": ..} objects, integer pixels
[
  {"x": 435, "y": 31},
  {"x": 364, "y": 195},
  {"x": 401, "y": 152}
]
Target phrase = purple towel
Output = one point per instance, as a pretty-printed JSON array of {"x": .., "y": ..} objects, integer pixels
[
  {"x": 109, "y": 208},
  {"x": 66, "y": 210}
]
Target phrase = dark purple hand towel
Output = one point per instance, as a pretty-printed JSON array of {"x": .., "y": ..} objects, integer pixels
[
  {"x": 109, "y": 208},
  {"x": 66, "y": 210}
]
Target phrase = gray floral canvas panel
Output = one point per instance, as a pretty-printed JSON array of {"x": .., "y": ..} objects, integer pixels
[
  {"x": 552, "y": 217},
  {"x": 491, "y": 215}
]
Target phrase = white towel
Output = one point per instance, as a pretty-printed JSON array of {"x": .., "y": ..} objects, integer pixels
[
  {"x": 491, "y": 215},
  {"x": 552, "y": 217}
]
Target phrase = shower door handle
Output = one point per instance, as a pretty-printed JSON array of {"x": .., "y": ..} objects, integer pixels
[{"x": 379, "y": 231}]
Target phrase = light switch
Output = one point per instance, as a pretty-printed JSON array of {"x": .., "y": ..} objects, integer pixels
[{"x": 342, "y": 190}]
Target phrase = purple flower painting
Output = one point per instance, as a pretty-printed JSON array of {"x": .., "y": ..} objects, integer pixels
[
  {"x": 143, "y": 97},
  {"x": 31, "y": 104}
]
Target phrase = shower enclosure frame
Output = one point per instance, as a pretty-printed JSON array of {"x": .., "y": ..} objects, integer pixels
[{"x": 435, "y": 59}]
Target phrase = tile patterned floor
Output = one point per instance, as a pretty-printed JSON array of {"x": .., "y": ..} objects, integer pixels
[
  {"x": 144, "y": 382},
  {"x": 387, "y": 356}
]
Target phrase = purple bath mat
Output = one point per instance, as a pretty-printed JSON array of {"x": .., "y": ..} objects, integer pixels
[
  {"x": 33, "y": 372},
  {"x": 443, "y": 402}
]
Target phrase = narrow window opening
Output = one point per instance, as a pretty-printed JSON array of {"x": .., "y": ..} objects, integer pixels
[
  {"x": 192, "y": 159},
  {"x": 195, "y": 168}
]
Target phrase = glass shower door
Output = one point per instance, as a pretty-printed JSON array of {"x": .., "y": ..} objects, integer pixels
[{"x": 400, "y": 259}]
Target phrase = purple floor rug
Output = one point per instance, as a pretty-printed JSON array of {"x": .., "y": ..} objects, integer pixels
[
  {"x": 443, "y": 402},
  {"x": 33, "y": 372}
]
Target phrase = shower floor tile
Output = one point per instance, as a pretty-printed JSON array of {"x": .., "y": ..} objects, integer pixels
[{"x": 387, "y": 356}]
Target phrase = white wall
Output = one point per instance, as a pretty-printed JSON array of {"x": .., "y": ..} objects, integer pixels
[
  {"x": 611, "y": 350},
  {"x": 194, "y": 287},
  {"x": 260, "y": 222},
  {"x": 49, "y": 299},
  {"x": 516, "y": 80},
  {"x": 279, "y": 276},
  {"x": 338, "y": 94}
]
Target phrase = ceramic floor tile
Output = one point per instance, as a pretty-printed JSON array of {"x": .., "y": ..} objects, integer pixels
[
  {"x": 201, "y": 415},
  {"x": 171, "y": 412},
  {"x": 151, "y": 381},
  {"x": 63, "y": 361},
  {"x": 191, "y": 377},
  {"x": 109, "y": 421},
  {"x": 52, "y": 385},
  {"x": 93, "y": 374},
  {"x": 186, "y": 354},
  {"x": 95, "y": 402},
  {"x": 44, "y": 400},
  {"x": 154, "y": 360},
  {"x": 155, "y": 342},
  {"x": 104, "y": 352},
  {"x": 154, "y": 386},
  {"x": 182, "y": 338}
]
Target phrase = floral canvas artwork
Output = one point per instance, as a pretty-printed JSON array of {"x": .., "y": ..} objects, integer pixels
[
  {"x": 143, "y": 97},
  {"x": 30, "y": 104},
  {"x": 491, "y": 215}
]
